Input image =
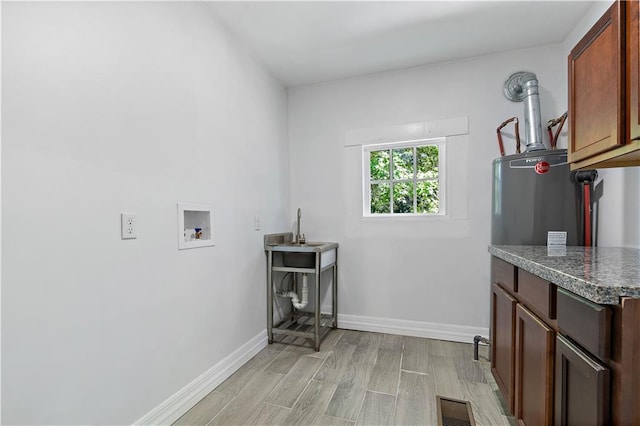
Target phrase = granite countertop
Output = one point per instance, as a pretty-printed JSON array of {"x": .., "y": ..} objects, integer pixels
[{"x": 599, "y": 274}]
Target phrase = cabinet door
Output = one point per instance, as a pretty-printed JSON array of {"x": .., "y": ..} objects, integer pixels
[
  {"x": 633, "y": 70},
  {"x": 582, "y": 387},
  {"x": 534, "y": 369},
  {"x": 596, "y": 88},
  {"x": 503, "y": 310}
]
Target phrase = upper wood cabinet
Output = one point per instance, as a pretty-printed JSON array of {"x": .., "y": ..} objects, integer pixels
[
  {"x": 595, "y": 88},
  {"x": 603, "y": 92},
  {"x": 633, "y": 69}
]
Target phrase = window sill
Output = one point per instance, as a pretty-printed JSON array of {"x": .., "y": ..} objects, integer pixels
[{"x": 406, "y": 217}]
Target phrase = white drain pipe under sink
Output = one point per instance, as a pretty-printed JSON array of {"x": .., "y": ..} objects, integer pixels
[{"x": 295, "y": 301}]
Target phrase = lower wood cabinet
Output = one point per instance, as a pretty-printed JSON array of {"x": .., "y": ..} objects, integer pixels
[
  {"x": 503, "y": 312},
  {"x": 534, "y": 350},
  {"x": 582, "y": 387},
  {"x": 559, "y": 358}
]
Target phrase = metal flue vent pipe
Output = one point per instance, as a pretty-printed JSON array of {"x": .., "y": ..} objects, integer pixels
[{"x": 523, "y": 87}]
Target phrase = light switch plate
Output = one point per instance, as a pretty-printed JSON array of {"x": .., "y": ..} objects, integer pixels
[{"x": 129, "y": 226}]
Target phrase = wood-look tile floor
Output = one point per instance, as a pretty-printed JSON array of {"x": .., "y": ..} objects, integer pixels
[{"x": 356, "y": 378}]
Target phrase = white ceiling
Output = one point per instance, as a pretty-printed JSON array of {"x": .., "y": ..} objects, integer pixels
[{"x": 306, "y": 42}]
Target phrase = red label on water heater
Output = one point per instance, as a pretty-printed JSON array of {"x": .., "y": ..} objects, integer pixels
[{"x": 542, "y": 167}]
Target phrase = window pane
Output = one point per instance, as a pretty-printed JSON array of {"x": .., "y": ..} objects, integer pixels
[
  {"x": 427, "y": 164},
  {"x": 427, "y": 197},
  {"x": 379, "y": 165},
  {"x": 403, "y": 163},
  {"x": 403, "y": 197},
  {"x": 380, "y": 198}
]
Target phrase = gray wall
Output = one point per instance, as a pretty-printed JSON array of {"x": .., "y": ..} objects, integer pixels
[
  {"x": 430, "y": 270},
  {"x": 112, "y": 107}
]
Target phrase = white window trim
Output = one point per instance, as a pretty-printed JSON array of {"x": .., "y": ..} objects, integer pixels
[{"x": 366, "y": 178}]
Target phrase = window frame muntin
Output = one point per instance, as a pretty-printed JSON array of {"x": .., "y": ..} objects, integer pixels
[{"x": 390, "y": 146}]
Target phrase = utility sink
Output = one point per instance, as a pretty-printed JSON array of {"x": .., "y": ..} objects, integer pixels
[
  {"x": 298, "y": 255},
  {"x": 306, "y": 262}
]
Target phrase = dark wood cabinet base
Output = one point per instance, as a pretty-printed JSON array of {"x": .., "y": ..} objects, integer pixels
[
  {"x": 582, "y": 387},
  {"x": 582, "y": 368}
]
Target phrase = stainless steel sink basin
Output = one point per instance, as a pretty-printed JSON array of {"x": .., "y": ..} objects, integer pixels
[
  {"x": 300, "y": 259},
  {"x": 294, "y": 259},
  {"x": 304, "y": 244},
  {"x": 308, "y": 247},
  {"x": 297, "y": 255}
]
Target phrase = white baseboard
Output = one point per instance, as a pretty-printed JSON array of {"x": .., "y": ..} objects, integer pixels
[
  {"x": 179, "y": 403},
  {"x": 431, "y": 330}
]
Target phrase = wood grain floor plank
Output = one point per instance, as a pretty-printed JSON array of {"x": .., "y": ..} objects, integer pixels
[
  {"x": 487, "y": 409},
  {"x": 240, "y": 409},
  {"x": 335, "y": 364},
  {"x": 309, "y": 409},
  {"x": 441, "y": 347},
  {"x": 205, "y": 410},
  {"x": 466, "y": 367},
  {"x": 328, "y": 344},
  {"x": 486, "y": 369},
  {"x": 483, "y": 353},
  {"x": 415, "y": 401},
  {"x": 352, "y": 379},
  {"x": 504, "y": 407},
  {"x": 244, "y": 374},
  {"x": 377, "y": 409},
  {"x": 277, "y": 345},
  {"x": 269, "y": 414},
  {"x": 415, "y": 355},
  {"x": 288, "y": 358},
  {"x": 443, "y": 377},
  {"x": 293, "y": 384},
  {"x": 334, "y": 421},
  {"x": 380, "y": 340},
  {"x": 348, "y": 397},
  {"x": 386, "y": 371},
  {"x": 351, "y": 336},
  {"x": 391, "y": 341},
  {"x": 377, "y": 340}
]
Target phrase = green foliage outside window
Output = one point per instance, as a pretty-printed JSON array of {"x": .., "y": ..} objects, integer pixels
[{"x": 404, "y": 180}]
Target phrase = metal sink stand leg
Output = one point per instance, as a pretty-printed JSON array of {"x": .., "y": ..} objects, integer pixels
[
  {"x": 317, "y": 313},
  {"x": 294, "y": 311},
  {"x": 269, "y": 297},
  {"x": 334, "y": 300}
]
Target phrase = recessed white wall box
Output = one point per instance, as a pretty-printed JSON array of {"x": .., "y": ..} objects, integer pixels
[{"x": 195, "y": 225}]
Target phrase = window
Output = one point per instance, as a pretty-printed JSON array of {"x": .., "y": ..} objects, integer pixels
[{"x": 404, "y": 178}]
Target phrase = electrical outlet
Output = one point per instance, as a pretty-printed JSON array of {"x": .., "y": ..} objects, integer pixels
[
  {"x": 257, "y": 223},
  {"x": 129, "y": 226}
]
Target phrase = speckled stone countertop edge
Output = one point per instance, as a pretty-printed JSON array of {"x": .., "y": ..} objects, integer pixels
[{"x": 590, "y": 291}]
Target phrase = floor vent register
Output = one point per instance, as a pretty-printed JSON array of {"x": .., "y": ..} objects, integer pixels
[{"x": 454, "y": 412}]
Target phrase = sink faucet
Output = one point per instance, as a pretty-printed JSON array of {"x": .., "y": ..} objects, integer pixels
[{"x": 300, "y": 239}]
